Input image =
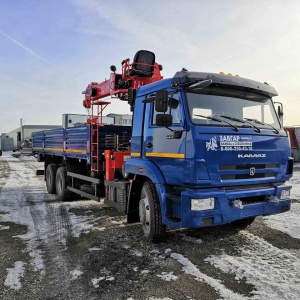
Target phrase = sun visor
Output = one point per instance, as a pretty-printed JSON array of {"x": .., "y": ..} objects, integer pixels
[{"x": 185, "y": 77}]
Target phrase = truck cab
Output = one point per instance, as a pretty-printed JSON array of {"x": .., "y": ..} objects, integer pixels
[{"x": 206, "y": 149}]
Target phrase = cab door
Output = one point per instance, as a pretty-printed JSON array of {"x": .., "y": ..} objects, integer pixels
[{"x": 165, "y": 146}]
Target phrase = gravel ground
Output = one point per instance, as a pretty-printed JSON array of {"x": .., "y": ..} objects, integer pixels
[{"x": 85, "y": 250}]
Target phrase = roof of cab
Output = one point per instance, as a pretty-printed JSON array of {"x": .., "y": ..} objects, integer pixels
[{"x": 184, "y": 77}]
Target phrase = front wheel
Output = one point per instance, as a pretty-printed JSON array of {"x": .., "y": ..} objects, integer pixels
[{"x": 150, "y": 214}]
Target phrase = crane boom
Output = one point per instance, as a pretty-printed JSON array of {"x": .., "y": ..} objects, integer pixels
[{"x": 142, "y": 71}]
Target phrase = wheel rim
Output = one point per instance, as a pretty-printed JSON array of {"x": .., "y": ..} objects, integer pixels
[{"x": 144, "y": 212}]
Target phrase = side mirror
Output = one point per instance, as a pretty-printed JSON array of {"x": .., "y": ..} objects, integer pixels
[
  {"x": 161, "y": 101},
  {"x": 163, "y": 120},
  {"x": 280, "y": 111}
]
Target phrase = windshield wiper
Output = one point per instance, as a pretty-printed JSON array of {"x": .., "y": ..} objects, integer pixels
[
  {"x": 218, "y": 120},
  {"x": 242, "y": 121},
  {"x": 262, "y": 123}
]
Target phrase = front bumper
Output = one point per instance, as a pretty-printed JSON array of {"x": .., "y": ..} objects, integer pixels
[{"x": 266, "y": 201}]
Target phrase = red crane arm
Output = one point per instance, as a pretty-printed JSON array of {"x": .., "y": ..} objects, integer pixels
[{"x": 134, "y": 75}]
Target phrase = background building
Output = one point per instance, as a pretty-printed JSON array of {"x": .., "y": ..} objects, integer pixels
[
  {"x": 121, "y": 119},
  {"x": 6, "y": 143},
  {"x": 70, "y": 120},
  {"x": 24, "y": 133}
]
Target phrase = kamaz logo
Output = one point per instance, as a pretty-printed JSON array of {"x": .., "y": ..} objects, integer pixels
[
  {"x": 252, "y": 171},
  {"x": 252, "y": 155}
]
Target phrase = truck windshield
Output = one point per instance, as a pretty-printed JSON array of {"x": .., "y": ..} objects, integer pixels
[{"x": 241, "y": 109}]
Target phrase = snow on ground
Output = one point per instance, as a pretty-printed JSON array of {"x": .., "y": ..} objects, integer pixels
[
  {"x": 16, "y": 209},
  {"x": 76, "y": 273},
  {"x": 167, "y": 276},
  {"x": 190, "y": 239},
  {"x": 275, "y": 273},
  {"x": 24, "y": 201},
  {"x": 95, "y": 281},
  {"x": 288, "y": 222},
  {"x": 14, "y": 275},
  {"x": 95, "y": 249},
  {"x": 153, "y": 298},
  {"x": 191, "y": 269},
  {"x": 166, "y": 298},
  {"x": 4, "y": 227},
  {"x": 137, "y": 253},
  {"x": 85, "y": 224}
]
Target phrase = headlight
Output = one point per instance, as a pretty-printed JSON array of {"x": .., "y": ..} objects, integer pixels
[
  {"x": 285, "y": 194},
  {"x": 202, "y": 204}
]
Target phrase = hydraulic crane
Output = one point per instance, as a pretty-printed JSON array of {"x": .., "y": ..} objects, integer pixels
[{"x": 143, "y": 70}]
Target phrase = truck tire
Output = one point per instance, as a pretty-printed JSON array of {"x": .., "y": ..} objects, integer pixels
[
  {"x": 61, "y": 180},
  {"x": 150, "y": 214},
  {"x": 50, "y": 178},
  {"x": 243, "y": 223}
]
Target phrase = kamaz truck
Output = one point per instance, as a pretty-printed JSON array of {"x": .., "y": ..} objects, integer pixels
[{"x": 204, "y": 149}]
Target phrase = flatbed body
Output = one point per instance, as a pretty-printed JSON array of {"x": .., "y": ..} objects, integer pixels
[{"x": 75, "y": 142}]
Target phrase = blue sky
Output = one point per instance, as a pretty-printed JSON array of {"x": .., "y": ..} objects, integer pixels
[{"x": 51, "y": 50}]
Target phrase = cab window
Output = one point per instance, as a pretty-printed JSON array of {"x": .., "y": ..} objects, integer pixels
[{"x": 174, "y": 110}]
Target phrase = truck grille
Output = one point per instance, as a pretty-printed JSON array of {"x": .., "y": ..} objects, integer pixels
[{"x": 248, "y": 171}]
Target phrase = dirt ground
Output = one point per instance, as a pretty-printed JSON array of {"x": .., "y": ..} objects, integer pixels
[{"x": 85, "y": 250}]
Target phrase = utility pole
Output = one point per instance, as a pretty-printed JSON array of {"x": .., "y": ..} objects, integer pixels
[{"x": 22, "y": 129}]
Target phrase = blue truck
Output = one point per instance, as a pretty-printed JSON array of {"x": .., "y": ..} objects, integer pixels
[{"x": 204, "y": 149}]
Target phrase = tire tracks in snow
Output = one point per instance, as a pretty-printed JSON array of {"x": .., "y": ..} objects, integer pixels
[
  {"x": 190, "y": 269},
  {"x": 49, "y": 228},
  {"x": 274, "y": 272},
  {"x": 270, "y": 272}
]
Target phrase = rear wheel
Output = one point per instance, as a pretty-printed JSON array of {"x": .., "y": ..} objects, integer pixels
[
  {"x": 50, "y": 178},
  {"x": 150, "y": 214},
  {"x": 61, "y": 185}
]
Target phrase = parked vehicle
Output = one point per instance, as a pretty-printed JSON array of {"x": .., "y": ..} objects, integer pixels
[
  {"x": 204, "y": 149},
  {"x": 26, "y": 144}
]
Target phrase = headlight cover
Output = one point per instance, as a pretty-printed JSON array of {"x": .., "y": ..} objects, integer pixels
[
  {"x": 285, "y": 194},
  {"x": 202, "y": 204}
]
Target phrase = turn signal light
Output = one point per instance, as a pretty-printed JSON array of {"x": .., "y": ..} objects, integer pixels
[{"x": 229, "y": 74}]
